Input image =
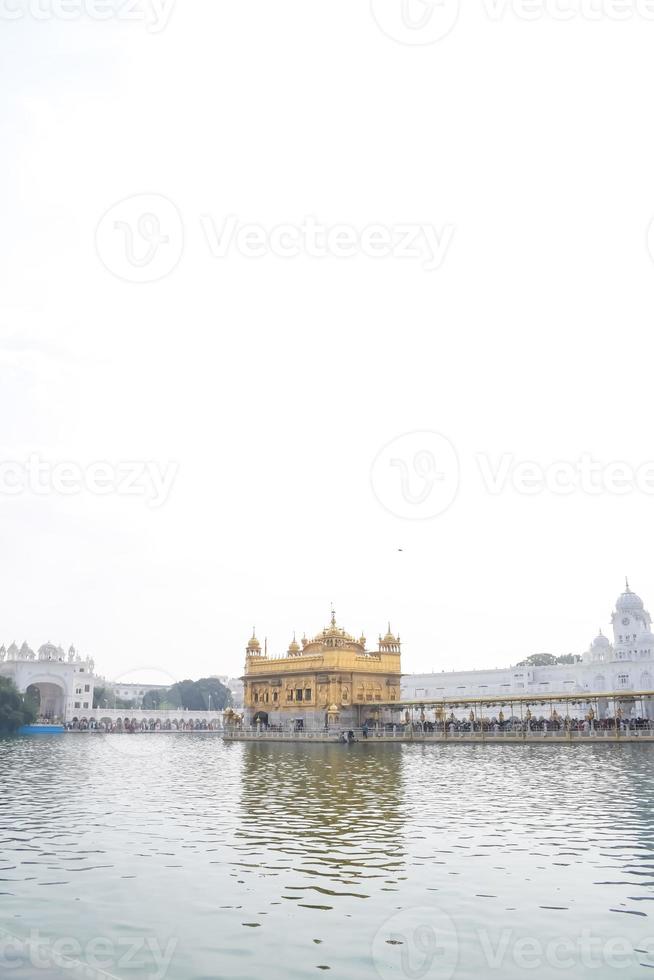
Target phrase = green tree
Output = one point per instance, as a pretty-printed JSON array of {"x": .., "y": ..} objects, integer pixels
[
  {"x": 100, "y": 695},
  {"x": 538, "y": 660},
  {"x": 14, "y": 711},
  {"x": 121, "y": 703},
  {"x": 154, "y": 700},
  {"x": 207, "y": 694},
  {"x": 548, "y": 660}
]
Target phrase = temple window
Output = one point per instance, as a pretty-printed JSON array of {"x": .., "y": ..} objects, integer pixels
[
  {"x": 307, "y": 694},
  {"x": 298, "y": 694}
]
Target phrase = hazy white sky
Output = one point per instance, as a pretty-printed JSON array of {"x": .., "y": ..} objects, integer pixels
[{"x": 518, "y": 157}]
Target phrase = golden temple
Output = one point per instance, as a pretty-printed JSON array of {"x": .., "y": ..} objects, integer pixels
[{"x": 330, "y": 680}]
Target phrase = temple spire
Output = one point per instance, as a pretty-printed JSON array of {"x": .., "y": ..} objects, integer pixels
[
  {"x": 626, "y": 582},
  {"x": 333, "y": 615}
]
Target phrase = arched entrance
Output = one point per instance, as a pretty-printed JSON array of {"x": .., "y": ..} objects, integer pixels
[
  {"x": 47, "y": 698},
  {"x": 261, "y": 718}
]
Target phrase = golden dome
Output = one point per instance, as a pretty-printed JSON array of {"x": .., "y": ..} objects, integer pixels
[
  {"x": 254, "y": 644},
  {"x": 334, "y": 631},
  {"x": 389, "y": 638},
  {"x": 294, "y": 647}
]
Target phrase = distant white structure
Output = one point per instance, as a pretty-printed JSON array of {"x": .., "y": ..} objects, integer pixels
[
  {"x": 63, "y": 682},
  {"x": 130, "y": 691},
  {"x": 625, "y": 665},
  {"x": 235, "y": 684}
]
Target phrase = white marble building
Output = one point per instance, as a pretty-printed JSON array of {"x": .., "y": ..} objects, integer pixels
[
  {"x": 64, "y": 682},
  {"x": 129, "y": 691},
  {"x": 624, "y": 665}
]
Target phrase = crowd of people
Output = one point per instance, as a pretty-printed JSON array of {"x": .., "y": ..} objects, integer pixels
[
  {"x": 498, "y": 725},
  {"x": 131, "y": 726},
  {"x": 554, "y": 724}
]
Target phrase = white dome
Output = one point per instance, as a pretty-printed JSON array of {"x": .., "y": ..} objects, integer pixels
[
  {"x": 601, "y": 641},
  {"x": 629, "y": 602}
]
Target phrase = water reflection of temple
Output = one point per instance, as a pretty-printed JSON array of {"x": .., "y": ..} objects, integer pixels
[{"x": 338, "y": 812}]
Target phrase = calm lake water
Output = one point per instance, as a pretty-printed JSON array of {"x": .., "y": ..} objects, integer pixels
[{"x": 177, "y": 856}]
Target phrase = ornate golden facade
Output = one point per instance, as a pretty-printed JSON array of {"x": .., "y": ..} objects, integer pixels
[{"x": 329, "y": 680}]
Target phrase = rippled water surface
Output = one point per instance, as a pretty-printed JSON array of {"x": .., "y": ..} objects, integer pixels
[{"x": 178, "y": 856}]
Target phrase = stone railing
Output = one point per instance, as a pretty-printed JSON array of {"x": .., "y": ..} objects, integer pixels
[
  {"x": 463, "y": 735},
  {"x": 143, "y": 714}
]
